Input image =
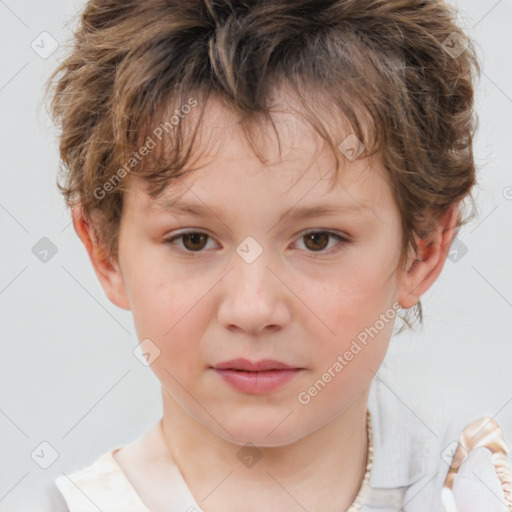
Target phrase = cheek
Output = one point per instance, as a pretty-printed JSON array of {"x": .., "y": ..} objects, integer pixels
[
  {"x": 167, "y": 308},
  {"x": 344, "y": 316},
  {"x": 347, "y": 300}
]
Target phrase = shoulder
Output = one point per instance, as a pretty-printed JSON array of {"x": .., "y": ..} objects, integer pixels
[
  {"x": 479, "y": 475},
  {"x": 429, "y": 460},
  {"x": 101, "y": 485}
]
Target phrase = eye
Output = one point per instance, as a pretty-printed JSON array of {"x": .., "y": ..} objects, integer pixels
[
  {"x": 315, "y": 241},
  {"x": 193, "y": 241}
]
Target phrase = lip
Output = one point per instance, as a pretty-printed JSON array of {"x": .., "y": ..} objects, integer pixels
[
  {"x": 256, "y": 366},
  {"x": 257, "y": 378}
]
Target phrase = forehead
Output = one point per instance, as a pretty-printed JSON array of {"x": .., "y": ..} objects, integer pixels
[
  {"x": 284, "y": 147},
  {"x": 288, "y": 126}
]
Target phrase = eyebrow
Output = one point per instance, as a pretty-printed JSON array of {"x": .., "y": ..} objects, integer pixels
[{"x": 294, "y": 213}]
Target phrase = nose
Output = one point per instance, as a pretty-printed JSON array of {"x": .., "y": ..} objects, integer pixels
[{"x": 254, "y": 299}]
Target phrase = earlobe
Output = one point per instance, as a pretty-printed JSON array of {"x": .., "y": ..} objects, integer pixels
[
  {"x": 108, "y": 272},
  {"x": 425, "y": 267}
]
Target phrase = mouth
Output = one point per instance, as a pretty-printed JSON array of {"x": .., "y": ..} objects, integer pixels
[
  {"x": 260, "y": 377},
  {"x": 256, "y": 366}
]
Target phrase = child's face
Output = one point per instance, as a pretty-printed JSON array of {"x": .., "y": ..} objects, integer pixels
[{"x": 303, "y": 301}]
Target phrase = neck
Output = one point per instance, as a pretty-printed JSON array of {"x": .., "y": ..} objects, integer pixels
[{"x": 331, "y": 461}]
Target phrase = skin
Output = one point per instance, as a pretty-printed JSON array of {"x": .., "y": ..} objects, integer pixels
[{"x": 292, "y": 304}]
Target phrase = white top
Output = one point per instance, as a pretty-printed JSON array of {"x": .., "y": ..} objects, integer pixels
[{"x": 416, "y": 468}]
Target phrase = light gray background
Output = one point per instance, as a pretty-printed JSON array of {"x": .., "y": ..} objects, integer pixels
[{"x": 68, "y": 375}]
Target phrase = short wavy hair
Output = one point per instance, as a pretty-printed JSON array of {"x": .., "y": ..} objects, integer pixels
[{"x": 399, "y": 72}]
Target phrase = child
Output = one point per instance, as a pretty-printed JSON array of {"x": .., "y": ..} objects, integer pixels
[{"x": 208, "y": 146}]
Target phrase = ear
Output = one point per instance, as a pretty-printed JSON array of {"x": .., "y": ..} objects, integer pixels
[
  {"x": 425, "y": 268},
  {"x": 108, "y": 272}
]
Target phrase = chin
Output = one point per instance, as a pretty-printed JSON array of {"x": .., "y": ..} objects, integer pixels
[{"x": 269, "y": 432}]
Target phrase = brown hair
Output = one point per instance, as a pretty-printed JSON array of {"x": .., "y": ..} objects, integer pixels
[{"x": 389, "y": 68}]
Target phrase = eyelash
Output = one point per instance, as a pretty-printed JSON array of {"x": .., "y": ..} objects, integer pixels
[{"x": 341, "y": 246}]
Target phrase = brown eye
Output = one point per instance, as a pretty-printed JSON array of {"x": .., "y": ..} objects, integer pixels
[
  {"x": 188, "y": 243},
  {"x": 194, "y": 241},
  {"x": 317, "y": 241},
  {"x": 314, "y": 241},
  {"x": 321, "y": 242}
]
